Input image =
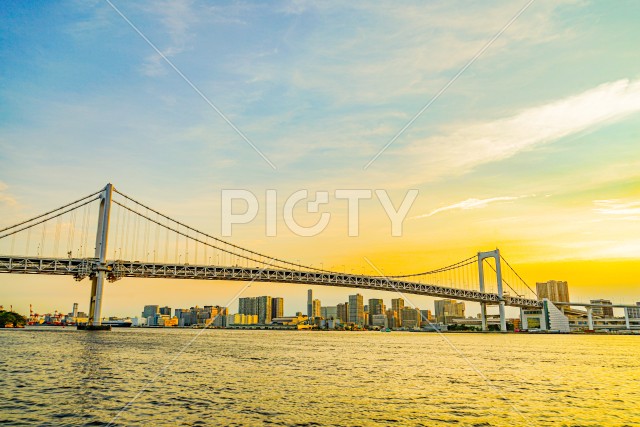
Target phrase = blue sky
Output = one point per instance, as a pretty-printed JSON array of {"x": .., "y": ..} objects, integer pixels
[{"x": 534, "y": 147}]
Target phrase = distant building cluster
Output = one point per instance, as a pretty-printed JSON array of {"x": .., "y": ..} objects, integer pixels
[{"x": 269, "y": 311}]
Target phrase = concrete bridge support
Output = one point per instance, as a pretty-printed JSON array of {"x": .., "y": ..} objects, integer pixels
[
  {"x": 99, "y": 276},
  {"x": 501, "y": 304},
  {"x": 626, "y": 318},
  {"x": 590, "y": 318}
]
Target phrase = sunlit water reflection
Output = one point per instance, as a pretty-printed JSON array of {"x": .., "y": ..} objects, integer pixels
[{"x": 295, "y": 378}]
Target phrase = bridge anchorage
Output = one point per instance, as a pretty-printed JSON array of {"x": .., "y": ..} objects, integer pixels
[{"x": 149, "y": 244}]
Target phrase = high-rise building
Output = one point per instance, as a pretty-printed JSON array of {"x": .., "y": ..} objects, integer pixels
[
  {"x": 392, "y": 319},
  {"x": 376, "y": 306},
  {"x": 165, "y": 310},
  {"x": 553, "y": 290},
  {"x": 397, "y": 304},
  {"x": 634, "y": 312},
  {"x": 310, "y": 303},
  {"x": 410, "y": 317},
  {"x": 356, "y": 309},
  {"x": 247, "y": 306},
  {"x": 425, "y": 317},
  {"x": 330, "y": 312},
  {"x": 150, "y": 310},
  {"x": 343, "y": 312},
  {"x": 602, "y": 311},
  {"x": 317, "y": 308},
  {"x": 448, "y": 309},
  {"x": 264, "y": 309},
  {"x": 277, "y": 307}
]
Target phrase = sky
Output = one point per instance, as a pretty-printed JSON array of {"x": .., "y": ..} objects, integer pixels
[{"x": 517, "y": 122}]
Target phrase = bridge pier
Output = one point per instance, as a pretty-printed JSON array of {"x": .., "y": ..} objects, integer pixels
[
  {"x": 483, "y": 315},
  {"x": 626, "y": 318},
  {"x": 496, "y": 256},
  {"x": 590, "y": 318},
  {"x": 99, "y": 276}
]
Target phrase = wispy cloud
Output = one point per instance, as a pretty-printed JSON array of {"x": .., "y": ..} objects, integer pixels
[
  {"x": 471, "y": 204},
  {"x": 461, "y": 150},
  {"x": 618, "y": 209},
  {"x": 176, "y": 17}
]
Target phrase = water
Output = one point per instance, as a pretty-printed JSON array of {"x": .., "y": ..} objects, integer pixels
[{"x": 295, "y": 378}]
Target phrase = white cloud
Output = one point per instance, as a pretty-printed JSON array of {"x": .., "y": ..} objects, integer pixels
[
  {"x": 176, "y": 17},
  {"x": 619, "y": 209},
  {"x": 471, "y": 204},
  {"x": 479, "y": 143}
]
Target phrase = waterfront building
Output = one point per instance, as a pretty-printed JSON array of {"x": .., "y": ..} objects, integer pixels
[
  {"x": 165, "y": 310},
  {"x": 376, "y": 306},
  {"x": 343, "y": 312},
  {"x": 397, "y": 304},
  {"x": 310, "y": 303},
  {"x": 247, "y": 305},
  {"x": 634, "y": 313},
  {"x": 379, "y": 320},
  {"x": 410, "y": 317},
  {"x": 317, "y": 309},
  {"x": 447, "y": 309},
  {"x": 602, "y": 311},
  {"x": 553, "y": 290},
  {"x": 330, "y": 312},
  {"x": 392, "y": 319},
  {"x": 241, "y": 319},
  {"x": 149, "y": 311},
  {"x": 277, "y": 307},
  {"x": 356, "y": 310},
  {"x": 425, "y": 317},
  {"x": 264, "y": 309}
]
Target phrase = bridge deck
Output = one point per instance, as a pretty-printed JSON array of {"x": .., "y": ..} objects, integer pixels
[{"x": 83, "y": 267}]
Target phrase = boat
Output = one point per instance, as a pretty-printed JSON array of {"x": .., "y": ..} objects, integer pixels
[{"x": 122, "y": 323}]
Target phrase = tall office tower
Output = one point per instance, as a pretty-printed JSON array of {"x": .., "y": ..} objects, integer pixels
[
  {"x": 343, "y": 312},
  {"x": 165, "y": 310},
  {"x": 397, "y": 304},
  {"x": 150, "y": 310},
  {"x": 553, "y": 290},
  {"x": 376, "y": 306},
  {"x": 247, "y": 306},
  {"x": 317, "y": 312},
  {"x": 310, "y": 303},
  {"x": 277, "y": 307},
  {"x": 74, "y": 313},
  {"x": 448, "y": 309},
  {"x": 264, "y": 310},
  {"x": 602, "y": 311},
  {"x": 356, "y": 309}
]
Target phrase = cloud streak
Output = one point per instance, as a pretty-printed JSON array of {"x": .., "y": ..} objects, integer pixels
[
  {"x": 471, "y": 204},
  {"x": 618, "y": 209},
  {"x": 461, "y": 150}
]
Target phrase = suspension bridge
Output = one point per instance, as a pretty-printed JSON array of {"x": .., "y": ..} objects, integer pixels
[{"x": 149, "y": 244}]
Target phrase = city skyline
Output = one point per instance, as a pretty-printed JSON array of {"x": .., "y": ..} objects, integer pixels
[{"x": 526, "y": 158}]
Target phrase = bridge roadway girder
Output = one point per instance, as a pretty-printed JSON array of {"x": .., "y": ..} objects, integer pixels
[{"x": 83, "y": 267}]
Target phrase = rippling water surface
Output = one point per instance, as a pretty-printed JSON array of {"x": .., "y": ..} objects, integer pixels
[{"x": 294, "y": 378}]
